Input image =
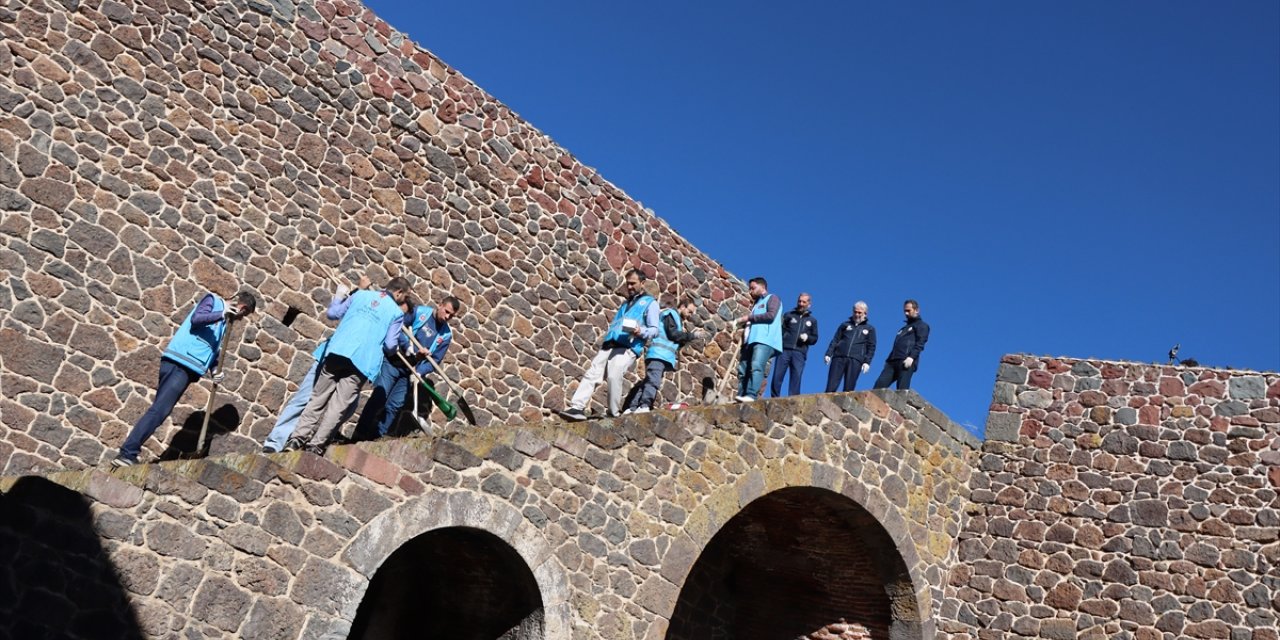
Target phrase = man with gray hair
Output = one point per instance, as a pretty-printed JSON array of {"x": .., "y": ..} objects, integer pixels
[{"x": 851, "y": 349}]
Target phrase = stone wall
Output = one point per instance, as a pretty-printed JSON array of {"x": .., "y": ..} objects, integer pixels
[
  {"x": 613, "y": 523},
  {"x": 1123, "y": 500},
  {"x": 154, "y": 150}
]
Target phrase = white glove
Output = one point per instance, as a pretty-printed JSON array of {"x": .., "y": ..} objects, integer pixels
[
  {"x": 342, "y": 291},
  {"x": 865, "y": 367},
  {"x": 908, "y": 362},
  {"x": 828, "y": 359},
  {"x": 804, "y": 337},
  {"x": 217, "y": 375}
]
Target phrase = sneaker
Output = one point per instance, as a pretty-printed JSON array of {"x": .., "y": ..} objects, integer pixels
[
  {"x": 314, "y": 448},
  {"x": 745, "y": 399},
  {"x": 293, "y": 444},
  {"x": 572, "y": 414},
  {"x": 120, "y": 462},
  {"x": 266, "y": 448},
  {"x": 629, "y": 412},
  {"x": 641, "y": 410}
]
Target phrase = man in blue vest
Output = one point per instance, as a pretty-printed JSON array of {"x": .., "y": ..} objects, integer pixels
[
  {"x": 762, "y": 339},
  {"x": 370, "y": 325},
  {"x": 851, "y": 350},
  {"x": 431, "y": 328},
  {"x": 799, "y": 330},
  {"x": 661, "y": 355},
  {"x": 635, "y": 322},
  {"x": 190, "y": 354},
  {"x": 292, "y": 410},
  {"x": 904, "y": 359}
]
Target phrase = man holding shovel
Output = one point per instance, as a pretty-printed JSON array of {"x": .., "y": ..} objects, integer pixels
[
  {"x": 370, "y": 324},
  {"x": 430, "y": 326},
  {"x": 192, "y": 353},
  {"x": 635, "y": 322}
]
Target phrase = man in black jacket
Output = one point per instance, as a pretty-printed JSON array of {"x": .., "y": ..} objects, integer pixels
[
  {"x": 904, "y": 359},
  {"x": 851, "y": 349},
  {"x": 799, "y": 330}
]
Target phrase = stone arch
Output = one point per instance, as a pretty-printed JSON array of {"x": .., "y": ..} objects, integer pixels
[
  {"x": 815, "y": 527},
  {"x": 476, "y": 526}
]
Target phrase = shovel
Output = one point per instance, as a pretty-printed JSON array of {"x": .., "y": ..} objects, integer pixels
[
  {"x": 449, "y": 410},
  {"x": 213, "y": 390},
  {"x": 461, "y": 400}
]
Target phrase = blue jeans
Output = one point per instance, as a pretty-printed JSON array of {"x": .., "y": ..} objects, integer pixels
[
  {"x": 383, "y": 406},
  {"x": 288, "y": 420},
  {"x": 751, "y": 368},
  {"x": 790, "y": 360},
  {"x": 174, "y": 380},
  {"x": 646, "y": 390}
]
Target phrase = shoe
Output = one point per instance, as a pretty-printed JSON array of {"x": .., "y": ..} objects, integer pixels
[
  {"x": 745, "y": 399},
  {"x": 641, "y": 410},
  {"x": 628, "y": 412},
  {"x": 572, "y": 414},
  {"x": 314, "y": 448},
  {"x": 121, "y": 462},
  {"x": 294, "y": 444},
  {"x": 266, "y": 448}
]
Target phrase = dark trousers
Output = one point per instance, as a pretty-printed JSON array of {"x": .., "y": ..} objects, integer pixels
[
  {"x": 846, "y": 368},
  {"x": 384, "y": 403},
  {"x": 174, "y": 380},
  {"x": 790, "y": 360},
  {"x": 646, "y": 390},
  {"x": 895, "y": 372}
]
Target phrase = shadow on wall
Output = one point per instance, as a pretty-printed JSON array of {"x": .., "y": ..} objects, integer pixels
[
  {"x": 457, "y": 583},
  {"x": 56, "y": 580},
  {"x": 225, "y": 419},
  {"x": 798, "y": 563}
]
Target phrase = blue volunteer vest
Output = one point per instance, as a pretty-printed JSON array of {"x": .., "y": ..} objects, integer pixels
[
  {"x": 196, "y": 347},
  {"x": 363, "y": 328},
  {"x": 769, "y": 334},
  {"x": 662, "y": 347},
  {"x": 428, "y": 332},
  {"x": 634, "y": 310}
]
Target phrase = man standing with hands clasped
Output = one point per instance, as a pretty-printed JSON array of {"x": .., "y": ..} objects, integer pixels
[
  {"x": 799, "y": 330},
  {"x": 635, "y": 322},
  {"x": 851, "y": 349},
  {"x": 904, "y": 359}
]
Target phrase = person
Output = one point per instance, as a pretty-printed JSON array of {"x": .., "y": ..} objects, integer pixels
[
  {"x": 661, "y": 355},
  {"x": 799, "y": 330},
  {"x": 431, "y": 328},
  {"x": 370, "y": 324},
  {"x": 635, "y": 322},
  {"x": 287, "y": 422},
  {"x": 904, "y": 359},
  {"x": 192, "y": 352},
  {"x": 851, "y": 349},
  {"x": 762, "y": 339}
]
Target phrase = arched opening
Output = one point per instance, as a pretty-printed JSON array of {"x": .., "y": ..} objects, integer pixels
[
  {"x": 457, "y": 583},
  {"x": 798, "y": 563}
]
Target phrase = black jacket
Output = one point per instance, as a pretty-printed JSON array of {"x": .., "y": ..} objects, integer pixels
[
  {"x": 853, "y": 340},
  {"x": 795, "y": 323},
  {"x": 909, "y": 342}
]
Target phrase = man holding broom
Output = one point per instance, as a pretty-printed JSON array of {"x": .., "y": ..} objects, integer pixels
[
  {"x": 192, "y": 353},
  {"x": 430, "y": 326}
]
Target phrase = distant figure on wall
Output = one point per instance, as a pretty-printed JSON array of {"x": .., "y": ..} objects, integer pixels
[
  {"x": 851, "y": 350},
  {"x": 799, "y": 330},
  {"x": 190, "y": 354},
  {"x": 904, "y": 359}
]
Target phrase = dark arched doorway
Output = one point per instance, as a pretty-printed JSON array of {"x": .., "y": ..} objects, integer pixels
[
  {"x": 798, "y": 563},
  {"x": 456, "y": 583}
]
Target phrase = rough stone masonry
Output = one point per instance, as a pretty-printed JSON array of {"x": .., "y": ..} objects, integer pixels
[{"x": 152, "y": 150}]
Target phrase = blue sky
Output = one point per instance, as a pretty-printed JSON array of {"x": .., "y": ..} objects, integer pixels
[{"x": 1086, "y": 179}]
